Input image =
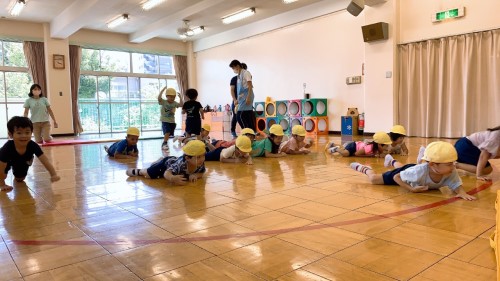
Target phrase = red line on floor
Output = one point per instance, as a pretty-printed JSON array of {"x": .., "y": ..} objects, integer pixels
[{"x": 249, "y": 234}]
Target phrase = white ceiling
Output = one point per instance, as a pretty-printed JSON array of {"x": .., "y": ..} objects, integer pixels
[{"x": 68, "y": 16}]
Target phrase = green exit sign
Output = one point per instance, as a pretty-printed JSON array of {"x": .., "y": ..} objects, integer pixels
[{"x": 448, "y": 14}]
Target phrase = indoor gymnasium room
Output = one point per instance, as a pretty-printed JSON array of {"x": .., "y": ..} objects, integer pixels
[{"x": 249, "y": 140}]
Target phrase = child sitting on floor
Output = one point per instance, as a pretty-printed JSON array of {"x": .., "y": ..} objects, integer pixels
[
  {"x": 377, "y": 147},
  {"x": 296, "y": 144},
  {"x": 438, "y": 171},
  {"x": 126, "y": 148},
  {"x": 177, "y": 170}
]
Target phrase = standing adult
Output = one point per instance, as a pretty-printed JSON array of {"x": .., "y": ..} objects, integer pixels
[
  {"x": 233, "y": 84},
  {"x": 245, "y": 114}
]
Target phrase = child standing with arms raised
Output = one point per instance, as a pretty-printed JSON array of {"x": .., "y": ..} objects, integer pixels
[
  {"x": 194, "y": 113},
  {"x": 18, "y": 152},
  {"x": 40, "y": 111},
  {"x": 167, "y": 118}
]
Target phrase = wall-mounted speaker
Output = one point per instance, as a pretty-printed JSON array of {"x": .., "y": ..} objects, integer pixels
[
  {"x": 376, "y": 31},
  {"x": 355, "y": 7}
]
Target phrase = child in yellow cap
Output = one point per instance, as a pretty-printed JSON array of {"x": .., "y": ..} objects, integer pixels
[
  {"x": 296, "y": 144},
  {"x": 224, "y": 143},
  {"x": 203, "y": 136},
  {"x": 438, "y": 171},
  {"x": 239, "y": 152},
  {"x": 177, "y": 170},
  {"x": 378, "y": 147},
  {"x": 269, "y": 147},
  {"x": 126, "y": 148},
  {"x": 168, "y": 108},
  {"x": 397, "y": 135}
]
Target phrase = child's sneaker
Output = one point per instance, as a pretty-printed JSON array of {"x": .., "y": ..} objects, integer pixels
[
  {"x": 234, "y": 135},
  {"x": 164, "y": 146},
  {"x": 388, "y": 160},
  {"x": 132, "y": 172}
]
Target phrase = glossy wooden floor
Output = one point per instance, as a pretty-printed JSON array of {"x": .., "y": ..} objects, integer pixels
[{"x": 296, "y": 218}]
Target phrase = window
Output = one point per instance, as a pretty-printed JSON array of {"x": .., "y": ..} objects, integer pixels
[
  {"x": 120, "y": 89},
  {"x": 15, "y": 82}
]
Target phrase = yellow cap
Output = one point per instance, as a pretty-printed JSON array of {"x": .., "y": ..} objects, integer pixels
[
  {"x": 398, "y": 129},
  {"x": 171, "y": 92},
  {"x": 247, "y": 131},
  {"x": 206, "y": 127},
  {"x": 276, "y": 130},
  {"x": 133, "y": 131},
  {"x": 382, "y": 138},
  {"x": 440, "y": 152},
  {"x": 244, "y": 144},
  {"x": 299, "y": 130},
  {"x": 194, "y": 148}
]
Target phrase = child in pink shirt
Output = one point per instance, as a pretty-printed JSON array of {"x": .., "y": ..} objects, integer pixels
[
  {"x": 296, "y": 144},
  {"x": 378, "y": 147}
]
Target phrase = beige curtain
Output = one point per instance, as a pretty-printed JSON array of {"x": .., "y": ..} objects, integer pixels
[
  {"x": 35, "y": 58},
  {"x": 75, "y": 59},
  {"x": 450, "y": 87},
  {"x": 181, "y": 71}
]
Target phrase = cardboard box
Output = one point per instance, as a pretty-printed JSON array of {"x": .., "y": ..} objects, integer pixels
[
  {"x": 352, "y": 111},
  {"x": 349, "y": 125}
]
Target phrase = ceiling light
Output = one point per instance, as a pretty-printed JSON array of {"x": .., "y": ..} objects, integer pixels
[
  {"x": 186, "y": 31},
  {"x": 16, "y": 9},
  {"x": 238, "y": 15},
  {"x": 117, "y": 21},
  {"x": 198, "y": 29},
  {"x": 289, "y": 1},
  {"x": 150, "y": 4}
]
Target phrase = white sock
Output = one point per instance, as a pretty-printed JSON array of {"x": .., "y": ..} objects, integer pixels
[
  {"x": 334, "y": 149},
  {"x": 360, "y": 168},
  {"x": 421, "y": 152}
]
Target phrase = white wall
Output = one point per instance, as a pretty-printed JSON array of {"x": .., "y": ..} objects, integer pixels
[{"x": 321, "y": 52}]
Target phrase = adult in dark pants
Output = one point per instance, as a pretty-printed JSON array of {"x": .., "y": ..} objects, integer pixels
[
  {"x": 234, "y": 95},
  {"x": 233, "y": 84},
  {"x": 245, "y": 114}
]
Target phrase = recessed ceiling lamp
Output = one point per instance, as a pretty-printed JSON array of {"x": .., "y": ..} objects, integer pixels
[
  {"x": 117, "y": 21},
  {"x": 238, "y": 15},
  {"x": 289, "y": 1},
  {"x": 16, "y": 9},
  {"x": 150, "y": 4}
]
